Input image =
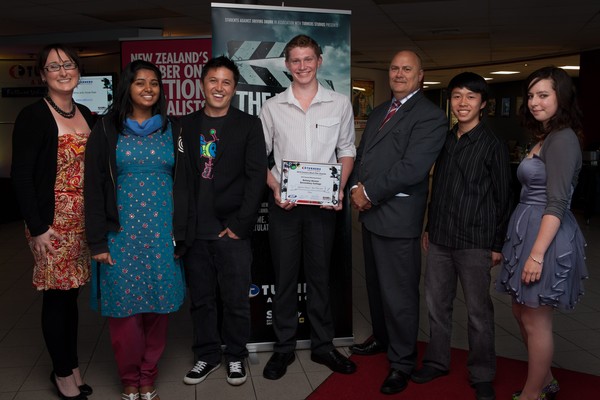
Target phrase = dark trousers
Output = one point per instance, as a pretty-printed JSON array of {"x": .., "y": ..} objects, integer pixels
[
  {"x": 472, "y": 266},
  {"x": 60, "y": 319},
  {"x": 392, "y": 274},
  {"x": 304, "y": 232},
  {"x": 220, "y": 266}
]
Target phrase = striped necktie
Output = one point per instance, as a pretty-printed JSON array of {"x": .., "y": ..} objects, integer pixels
[{"x": 393, "y": 108}]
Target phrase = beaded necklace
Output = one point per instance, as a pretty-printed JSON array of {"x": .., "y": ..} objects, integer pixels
[{"x": 60, "y": 112}]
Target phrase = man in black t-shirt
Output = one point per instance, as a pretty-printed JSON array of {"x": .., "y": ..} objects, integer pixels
[{"x": 228, "y": 162}]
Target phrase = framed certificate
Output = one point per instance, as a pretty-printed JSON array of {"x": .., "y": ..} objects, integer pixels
[{"x": 310, "y": 183}]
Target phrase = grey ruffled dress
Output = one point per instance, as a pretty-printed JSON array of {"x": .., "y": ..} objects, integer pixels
[{"x": 564, "y": 269}]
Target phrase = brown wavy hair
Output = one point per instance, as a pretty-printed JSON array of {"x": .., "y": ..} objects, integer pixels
[{"x": 568, "y": 113}]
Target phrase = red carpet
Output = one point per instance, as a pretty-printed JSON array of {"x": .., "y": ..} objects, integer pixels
[{"x": 510, "y": 376}]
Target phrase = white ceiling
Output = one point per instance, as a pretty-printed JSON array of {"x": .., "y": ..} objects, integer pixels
[{"x": 450, "y": 35}]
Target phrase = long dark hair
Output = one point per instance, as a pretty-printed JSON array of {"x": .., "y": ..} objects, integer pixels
[
  {"x": 568, "y": 114},
  {"x": 122, "y": 106}
]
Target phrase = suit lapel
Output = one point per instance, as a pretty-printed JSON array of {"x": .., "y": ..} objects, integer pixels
[{"x": 396, "y": 118}]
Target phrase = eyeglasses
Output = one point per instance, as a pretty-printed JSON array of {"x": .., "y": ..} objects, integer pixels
[{"x": 55, "y": 67}]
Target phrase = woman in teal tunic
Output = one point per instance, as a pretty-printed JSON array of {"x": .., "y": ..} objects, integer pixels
[{"x": 135, "y": 173}]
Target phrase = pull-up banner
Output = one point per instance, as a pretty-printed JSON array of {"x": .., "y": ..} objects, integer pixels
[
  {"x": 180, "y": 62},
  {"x": 254, "y": 38}
]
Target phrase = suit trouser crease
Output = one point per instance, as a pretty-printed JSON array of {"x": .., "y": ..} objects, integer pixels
[
  {"x": 472, "y": 267},
  {"x": 60, "y": 319},
  {"x": 138, "y": 343},
  {"x": 220, "y": 268},
  {"x": 397, "y": 264},
  {"x": 305, "y": 232}
]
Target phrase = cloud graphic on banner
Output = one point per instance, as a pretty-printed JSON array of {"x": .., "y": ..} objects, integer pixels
[{"x": 255, "y": 39}]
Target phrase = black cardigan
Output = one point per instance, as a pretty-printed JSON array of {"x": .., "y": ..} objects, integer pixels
[
  {"x": 100, "y": 196},
  {"x": 34, "y": 159}
]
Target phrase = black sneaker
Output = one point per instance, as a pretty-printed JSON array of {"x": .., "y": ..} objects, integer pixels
[
  {"x": 236, "y": 373},
  {"x": 199, "y": 372}
]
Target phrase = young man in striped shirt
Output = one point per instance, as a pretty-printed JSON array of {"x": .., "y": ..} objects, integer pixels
[{"x": 467, "y": 219}]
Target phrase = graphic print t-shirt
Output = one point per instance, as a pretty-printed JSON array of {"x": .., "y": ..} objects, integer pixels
[{"x": 208, "y": 225}]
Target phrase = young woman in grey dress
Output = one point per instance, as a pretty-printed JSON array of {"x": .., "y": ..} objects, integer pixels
[{"x": 543, "y": 254}]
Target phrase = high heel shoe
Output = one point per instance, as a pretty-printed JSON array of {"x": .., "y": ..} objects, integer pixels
[
  {"x": 549, "y": 391},
  {"x": 85, "y": 389},
  {"x": 80, "y": 396}
]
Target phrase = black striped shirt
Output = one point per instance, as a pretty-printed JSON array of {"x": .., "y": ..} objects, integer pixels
[{"x": 470, "y": 198}]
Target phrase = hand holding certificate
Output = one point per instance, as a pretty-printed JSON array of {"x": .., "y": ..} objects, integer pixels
[{"x": 310, "y": 183}]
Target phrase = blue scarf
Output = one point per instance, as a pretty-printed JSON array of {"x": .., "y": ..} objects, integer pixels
[{"x": 145, "y": 128}]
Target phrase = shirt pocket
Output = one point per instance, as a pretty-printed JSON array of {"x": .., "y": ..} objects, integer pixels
[{"x": 328, "y": 130}]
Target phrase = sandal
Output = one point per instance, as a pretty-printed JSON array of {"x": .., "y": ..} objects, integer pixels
[
  {"x": 130, "y": 396},
  {"x": 149, "y": 395},
  {"x": 549, "y": 391}
]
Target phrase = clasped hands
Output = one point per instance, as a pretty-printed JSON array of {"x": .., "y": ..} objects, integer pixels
[{"x": 358, "y": 198}]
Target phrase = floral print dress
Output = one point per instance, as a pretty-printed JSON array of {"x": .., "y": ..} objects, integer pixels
[{"x": 70, "y": 267}]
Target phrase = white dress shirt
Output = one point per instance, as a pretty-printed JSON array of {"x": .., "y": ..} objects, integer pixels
[{"x": 322, "y": 134}]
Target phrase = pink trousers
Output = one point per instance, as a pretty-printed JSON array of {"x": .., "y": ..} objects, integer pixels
[{"x": 138, "y": 342}]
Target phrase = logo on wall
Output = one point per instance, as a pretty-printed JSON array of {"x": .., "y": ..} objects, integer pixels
[{"x": 17, "y": 71}]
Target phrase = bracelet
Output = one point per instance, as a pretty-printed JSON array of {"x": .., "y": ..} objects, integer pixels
[{"x": 537, "y": 261}]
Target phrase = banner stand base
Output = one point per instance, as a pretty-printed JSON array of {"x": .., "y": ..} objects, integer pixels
[{"x": 254, "y": 348}]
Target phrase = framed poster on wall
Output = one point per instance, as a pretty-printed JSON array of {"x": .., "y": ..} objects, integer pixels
[{"x": 362, "y": 101}]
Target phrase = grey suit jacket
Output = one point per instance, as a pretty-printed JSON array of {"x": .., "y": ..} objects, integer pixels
[{"x": 394, "y": 163}]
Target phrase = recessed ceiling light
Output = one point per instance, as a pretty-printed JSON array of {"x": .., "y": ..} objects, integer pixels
[
  {"x": 488, "y": 79},
  {"x": 358, "y": 88},
  {"x": 573, "y": 67},
  {"x": 431, "y": 83},
  {"x": 425, "y": 86},
  {"x": 504, "y": 72}
]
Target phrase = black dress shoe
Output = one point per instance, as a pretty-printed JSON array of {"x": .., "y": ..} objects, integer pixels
[
  {"x": 484, "y": 391},
  {"x": 277, "y": 365},
  {"x": 80, "y": 396},
  {"x": 368, "y": 347},
  {"x": 426, "y": 374},
  {"x": 86, "y": 389},
  {"x": 335, "y": 362},
  {"x": 395, "y": 382}
]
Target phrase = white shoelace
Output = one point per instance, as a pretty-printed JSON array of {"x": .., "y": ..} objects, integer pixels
[
  {"x": 200, "y": 365},
  {"x": 235, "y": 366}
]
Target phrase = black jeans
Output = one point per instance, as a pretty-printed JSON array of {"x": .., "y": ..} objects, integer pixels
[
  {"x": 60, "y": 319},
  {"x": 304, "y": 233},
  {"x": 223, "y": 264}
]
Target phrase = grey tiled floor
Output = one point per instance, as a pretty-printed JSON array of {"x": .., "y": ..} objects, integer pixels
[{"x": 25, "y": 365}]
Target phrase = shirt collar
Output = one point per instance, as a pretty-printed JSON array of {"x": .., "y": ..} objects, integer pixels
[
  {"x": 405, "y": 99},
  {"x": 322, "y": 96},
  {"x": 474, "y": 134}
]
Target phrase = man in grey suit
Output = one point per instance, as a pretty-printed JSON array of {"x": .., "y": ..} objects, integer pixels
[{"x": 389, "y": 186}]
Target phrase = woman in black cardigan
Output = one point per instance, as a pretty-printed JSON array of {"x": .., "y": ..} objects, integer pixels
[{"x": 49, "y": 140}]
